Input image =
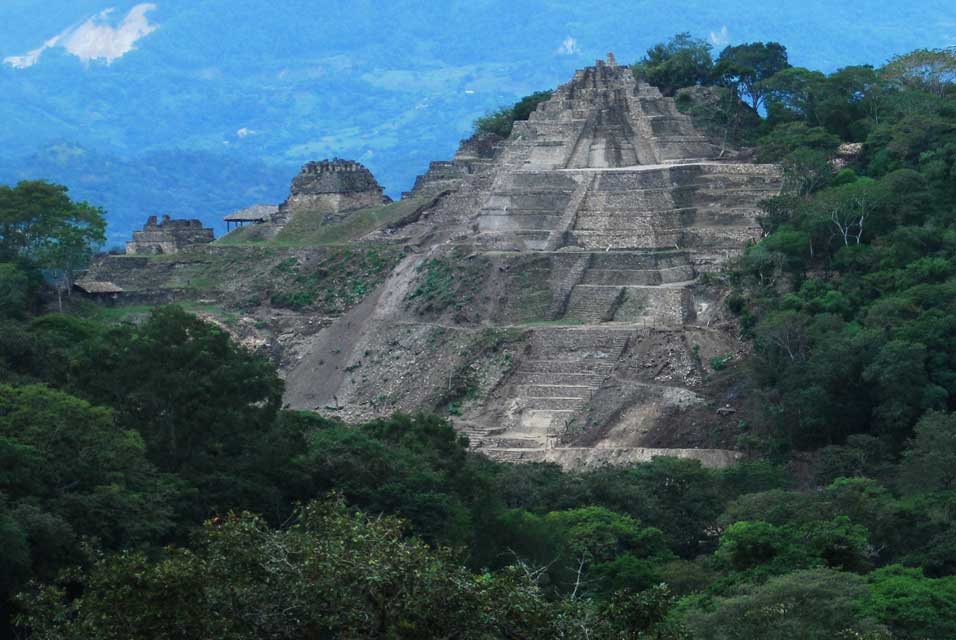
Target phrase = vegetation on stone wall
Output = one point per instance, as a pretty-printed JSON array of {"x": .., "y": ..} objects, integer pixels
[
  {"x": 501, "y": 122},
  {"x": 447, "y": 282},
  {"x": 332, "y": 284}
]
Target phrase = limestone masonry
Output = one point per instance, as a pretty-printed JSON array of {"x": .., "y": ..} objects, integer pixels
[
  {"x": 168, "y": 236},
  {"x": 331, "y": 187},
  {"x": 585, "y": 232}
]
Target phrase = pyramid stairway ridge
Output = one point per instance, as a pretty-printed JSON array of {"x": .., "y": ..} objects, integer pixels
[{"x": 586, "y": 231}]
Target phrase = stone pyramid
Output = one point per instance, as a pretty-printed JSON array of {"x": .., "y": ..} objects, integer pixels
[{"x": 591, "y": 224}]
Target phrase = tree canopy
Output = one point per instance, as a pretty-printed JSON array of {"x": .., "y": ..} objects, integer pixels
[
  {"x": 151, "y": 486},
  {"x": 682, "y": 61}
]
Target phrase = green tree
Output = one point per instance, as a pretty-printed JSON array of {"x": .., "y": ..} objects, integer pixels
[
  {"x": 747, "y": 68},
  {"x": 929, "y": 463},
  {"x": 898, "y": 373},
  {"x": 849, "y": 209},
  {"x": 414, "y": 467},
  {"x": 645, "y": 615},
  {"x": 68, "y": 472},
  {"x": 501, "y": 121},
  {"x": 931, "y": 70},
  {"x": 816, "y": 604},
  {"x": 603, "y": 551},
  {"x": 788, "y": 138},
  {"x": 682, "y": 61},
  {"x": 17, "y": 290},
  {"x": 792, "y": 95},
  {"x": 333, "y": 573},
  {"x": 194, "y": 395},
  {"x": 40, "y": 223},
  {"x": 911, "y": 605},
  {"x": 747, "y": 545},
  {"x": 677, "y": 496},
  {"x": 806, "y": 171}
]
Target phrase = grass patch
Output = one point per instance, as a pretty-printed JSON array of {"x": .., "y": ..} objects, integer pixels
[
  {"x": 532, "y": 281},
  {"x": 248, "y": 234},
  {"x": 447, "y": 282},
  {"x": 336, "y": 283},
  {"x": 308, "y": 228},
  {"x": 115, "y": 314}
]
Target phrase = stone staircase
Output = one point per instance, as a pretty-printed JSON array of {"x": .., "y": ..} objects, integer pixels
[
  {"x": 593, "y": 304},
  {"x": 618, "y": 189},
  {"x": 548, "y": 393},
  {"x": 559, "y": 303},
  {"x": 559, "y": 236}
]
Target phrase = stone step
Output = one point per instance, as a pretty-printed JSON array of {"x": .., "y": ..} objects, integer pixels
[
  {"x": 576, "y": 457},
  {"x": 580, "y": 338},
  {"x": 646, "y": 277},
  {"x": 518, "y": 443},
  {"x": 628, "y": 220},
  {"x": 655, "y": 107},
  {"x": 571, "y": 378},
  {"x": 636, "y": 239},
  {"x": 515, "y": 199},
  {"x": 580, "y": 363},
  {"x": 538, "y": 182},
  {"x": 513, "y": 456},
  {"x": 593, "y": 304},
  {"x": 532, "y": 234},
  {"x": 552, "y": 404},
  {"x": 554, "y": 390},
  {"x": 657, "y": 306},
  {"x": 519, "y": 220},
  {"x": 566, "y": 349},
  {"x": 639, "y": 259}
]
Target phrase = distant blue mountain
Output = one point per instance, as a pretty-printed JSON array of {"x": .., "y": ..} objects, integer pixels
[{"x": 211, "y": 105}]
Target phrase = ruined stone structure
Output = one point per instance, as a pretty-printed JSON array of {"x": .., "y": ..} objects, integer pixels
[
  {"x": 587, "y": 231},
  {"x": 331, "y": 187},
  {"x": 475, "y": 155},
  {"x": 168, "y": 236},
  {"x": 549, "y": 293},
  {"x": 441, "y": 176}
]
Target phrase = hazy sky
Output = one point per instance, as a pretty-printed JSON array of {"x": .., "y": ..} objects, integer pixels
[{"x": 393, "y": 84}]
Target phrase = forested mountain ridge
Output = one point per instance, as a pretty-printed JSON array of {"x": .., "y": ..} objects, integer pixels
[
  {"x": 370, "y": 81},
  {"x": 838, "y": 522}
]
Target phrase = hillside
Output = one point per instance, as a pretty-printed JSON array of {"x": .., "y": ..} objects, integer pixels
[{"x": 551, "y": 282}]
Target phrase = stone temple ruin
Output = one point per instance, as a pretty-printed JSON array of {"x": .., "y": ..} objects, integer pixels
[
  {"x": 569, "y": 319},
  {"x": 168, "y": 236},
  {"x": 331, "y": 187},
  {"x": 586, "y": 232}
]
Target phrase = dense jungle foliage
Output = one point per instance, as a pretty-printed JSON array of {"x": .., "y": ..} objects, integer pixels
[{"x": 152, "y": 487}]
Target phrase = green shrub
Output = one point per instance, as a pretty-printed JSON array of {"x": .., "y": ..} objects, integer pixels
[{"x": 501, "y": 122}]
